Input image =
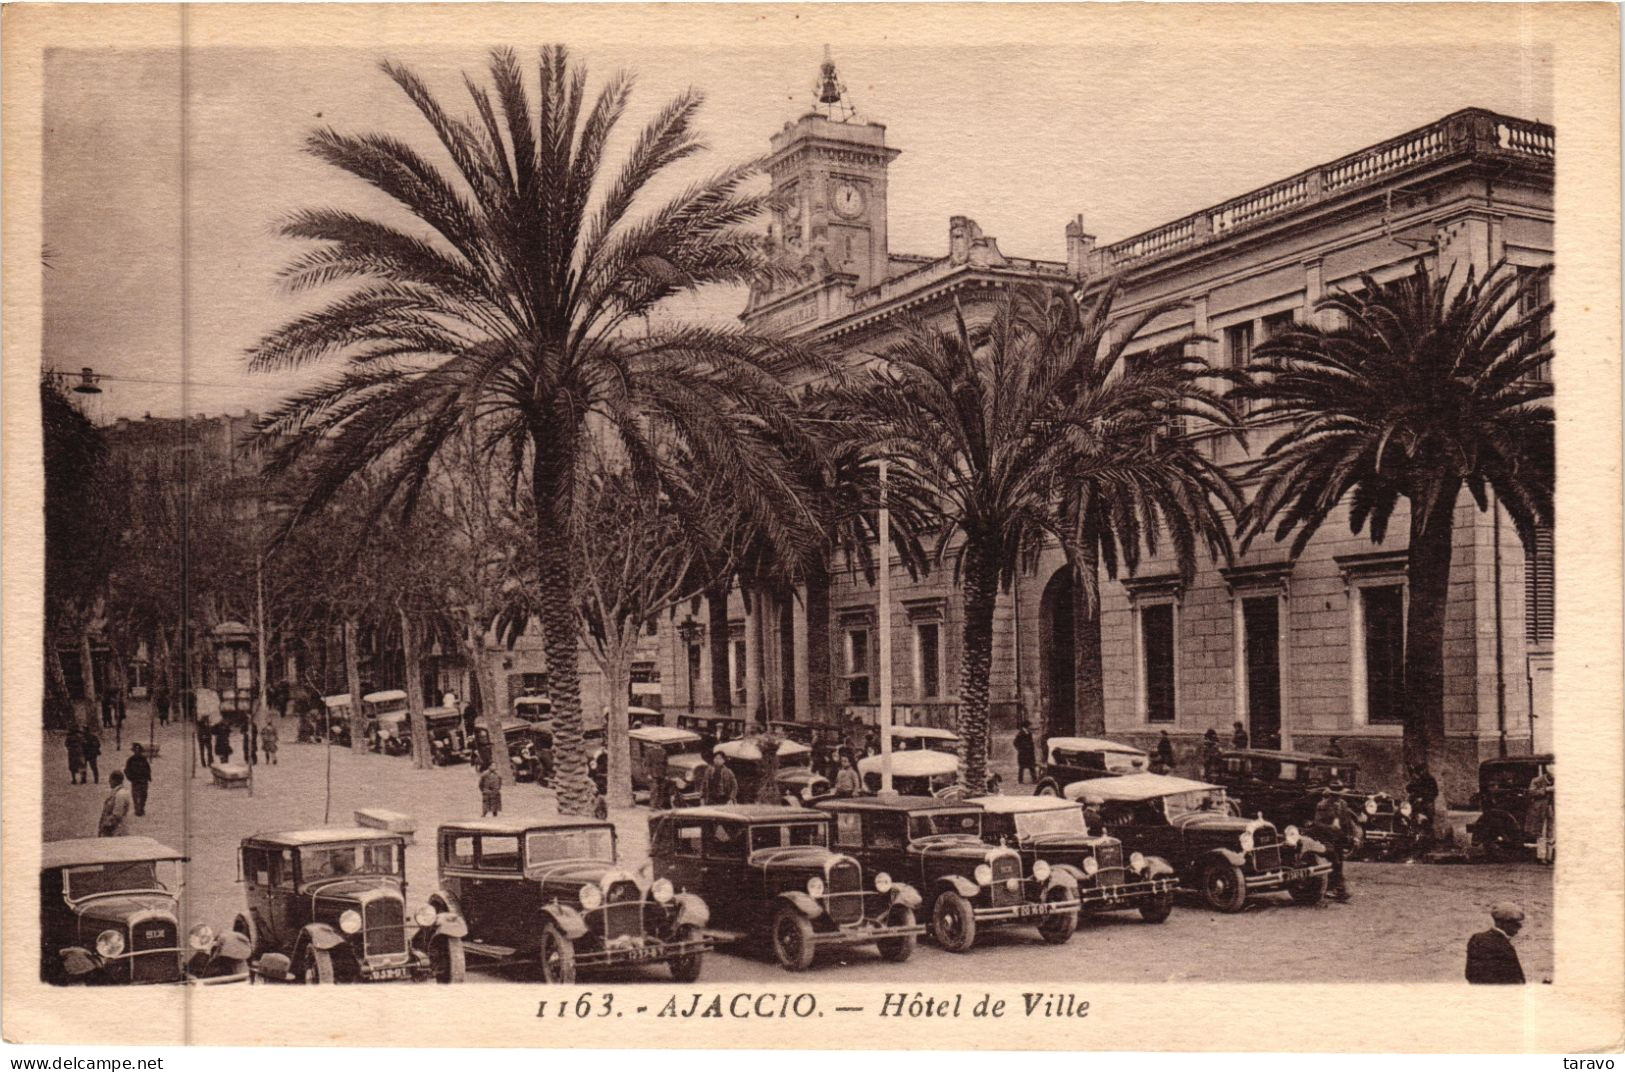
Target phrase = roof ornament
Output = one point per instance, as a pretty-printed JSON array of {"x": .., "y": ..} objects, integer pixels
[{"x": 830, "y": 93}]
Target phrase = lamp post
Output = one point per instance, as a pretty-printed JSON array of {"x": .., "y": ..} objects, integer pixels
[
  {"x": 885, "y": 635},
  {"x": 690, "y": 631}
]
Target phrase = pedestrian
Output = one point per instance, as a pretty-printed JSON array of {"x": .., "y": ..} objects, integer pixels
[
  {"x": 1335, "y": 748},
  {"x": 449, "y": 700},
  {"x": 490, "y": 791},
  {"x": 1026, "y": 755},
  {"x": 1210, "y": 751},
  {"x": 1165, "y": 752},
  {"x": 251, "y": 740},
  {"x": 268, "y": 741},
  {"x": 76, "y": 756},
  {"x": 718, "y": 785},
  {"x": 93, "y": 749},
  {"x": 138, "y": 772},
  {"x": 1238, "y": 739},
  {"x": 107, "y": 708},
  {"x": 115, "y": 820},
  {"x": 1538, "y": 822},
  {"x": 160, "y": 702},
  {"x": 222, "y": 743},
  {"x": 278, "y": 696},
  {"x": 1490, "y": 956},
  {"x": 1423, "y": 791},
  {"x": 1332, "y": 824},
  {"x": 846, "y": 779},
  {"x": 659, "y": 783}
]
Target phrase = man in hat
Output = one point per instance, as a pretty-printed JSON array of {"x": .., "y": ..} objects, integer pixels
[
  {"x": 1332, "y": 824},
  {"x": 138, "y": 772},
  {"x": 1490, "y": 956},
  {"x": 1026, "y": 755}
]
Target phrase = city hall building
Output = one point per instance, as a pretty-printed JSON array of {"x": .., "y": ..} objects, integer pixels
[{"x": 1302, "y": 650}]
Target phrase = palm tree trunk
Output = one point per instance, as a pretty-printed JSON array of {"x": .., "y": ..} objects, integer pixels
[
  {"x": 981, "y": 592},
  {"x": 787, "y": 653},
  {"x": 716, "y": 609},
  {"x": 1089, "y": 689},
  {"x": 556, "y": 612},
  {"x": 1428, "y": 579},
  {"x": 352, "y": 679},
  {"x": 818, "y": 656},
  {"x": 414, "y": 691}
]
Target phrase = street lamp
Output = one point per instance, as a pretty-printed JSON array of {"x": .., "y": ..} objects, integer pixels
[
  {"x": 690, "y": 631},
  {"x": 885, "y": 634}
]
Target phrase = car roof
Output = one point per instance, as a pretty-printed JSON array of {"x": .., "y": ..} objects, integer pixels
[
  {"x": 664, "y": 734},
  {"x": 641, "y": 712},
  {"x": 897, "y": 803},
  {"x": 1510, "y": 761},
  {"x": 1295, "y": 757},
  {"x": 324, "y": 835},
  {"x": 533, "y": 697},
  {"x": 912, "y": 764},
  {"x": 749, "y": 813},
  {"x": 1003, "y": 805},
  {"x": 750, "y": 748},
  {"x": 338, "y": 699},
  {"x": 441, "y": 711},
  {"x": 104, "y": 850},
  {"x": 1133, "y": 787},
  {"x": 1094, "y": 744},
  {"x": 521, "y": 825},
  {"x": 384, "y": 695},
  {"x": 933, "y": 732}
]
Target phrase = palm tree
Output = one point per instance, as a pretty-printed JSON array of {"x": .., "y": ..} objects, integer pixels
[
  {"x": 503, "y": 296},
  {"x": 1423, "y": 389},
  {"x": 1160, "y": 483}
]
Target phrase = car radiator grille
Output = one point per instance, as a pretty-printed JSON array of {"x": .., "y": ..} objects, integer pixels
[
  {"x": 1110, "y": 859},
  {"x": 622, "y": 919},
  {"x": 1005, "y": 868},
  {"x": 844, "y": 893},
  {"x": 161, "y": 965},
  {"x": 384, "y": 927},
  {"x": 1267, "y": 854}
]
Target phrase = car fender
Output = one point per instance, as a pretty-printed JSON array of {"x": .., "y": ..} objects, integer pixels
[
  {"x": 904, "y": 894},
  {"x": 1075, "y": 873},
  {"x": 805, "y": 903},
  {"x": 1062, "y": 880},
  {"x": 1309, "y": 844},
  {"x": 958, "y": 884},
  {"x": 567, "y": 919},
  {"x": 322, "y": 936},
  {"x": 1157, "y": 867},
  {"x": 232, "y": 945},
  {"x": 449, "y": 925},
  {"x": 1230, "y": 856},
  {"x": 444, "y": 903},
  {"x": 79, "y": 962},
  {"x": 691, "y": 910},
  {"x": 1047, "y": 782}
]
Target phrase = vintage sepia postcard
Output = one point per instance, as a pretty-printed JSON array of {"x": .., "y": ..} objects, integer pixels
[{"x": 877, "y": 526}]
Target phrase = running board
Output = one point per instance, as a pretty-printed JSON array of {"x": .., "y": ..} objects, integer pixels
[{"x": 486, "y": 949}]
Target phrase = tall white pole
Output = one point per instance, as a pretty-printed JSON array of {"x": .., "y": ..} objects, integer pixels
[{"x": 885, "y": 636}]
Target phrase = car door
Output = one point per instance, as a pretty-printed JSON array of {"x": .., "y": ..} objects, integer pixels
[
  {"x": 507, "y": 903},
  {"x": 679, "y": 857},
  {"x": 735, "y": 889},
  {"x": 885, "y": 841}
]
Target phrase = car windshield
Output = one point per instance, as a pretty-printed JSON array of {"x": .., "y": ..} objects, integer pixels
[
  {"x": 785, "y": 835},
  {"x": 799, "y": 759},
  {"x": 678, "y": 748},
  {"x": 587, "y": 843},
  {"x": 1509, "y": 777},
  {"x": 92, "y": 879},
  {"x": 1196, "y": 801},
  {"x": 928, "y": 823},
  {"x": 1056, "y": 821},
  {"x": 376, "y": 858}
]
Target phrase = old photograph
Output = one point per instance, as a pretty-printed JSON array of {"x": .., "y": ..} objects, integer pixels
[{"x": 533, "y": 512}]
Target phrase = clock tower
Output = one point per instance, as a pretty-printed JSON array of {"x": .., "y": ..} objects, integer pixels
[{"x": 829, "y": 189}]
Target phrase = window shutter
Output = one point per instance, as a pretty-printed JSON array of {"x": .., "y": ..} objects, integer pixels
[{"x": 1539, "y": 590}]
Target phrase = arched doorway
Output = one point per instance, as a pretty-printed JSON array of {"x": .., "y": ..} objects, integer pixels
[{"x": 1056, "y": 646}]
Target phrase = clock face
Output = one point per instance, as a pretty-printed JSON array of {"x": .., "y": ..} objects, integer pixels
[{"x": 848, "y": 200}]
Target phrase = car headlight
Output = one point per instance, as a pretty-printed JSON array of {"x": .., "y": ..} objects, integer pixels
[
  {"x": 662, "y": 890},
  {"x": 591, "y": 897},
  {"x": 1091, "y": 865},
  {"x": 110, "y": 943},
  {"x": 350, "y": 921},
  {"x": 1371, "y": 805},
  {"x": 815, "y": 887},
  {"x": 1040, "y": 870},
  {"x": 883, "y": 883},
  {"x": 1290, "y": 835},
  {"x": 426, "y": 916},
  {"x": 1136, "y": 860},
  {"x": 983, "y": 875},
  {"x": 200, "y": 937},
  {"x": 1405, "y": 808},
  {"x": 1246, "y": 841}
]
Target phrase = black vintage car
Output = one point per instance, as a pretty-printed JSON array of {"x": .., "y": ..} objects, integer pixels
[
  {"x": 1516, "y": 806},
  {"x": 550, "y": 892},
  {"x": 1284, "y": 787},
  {"x": 1051, "y": 829},
  {"x": 772, "y": 877},
  {"x": 109, "y": 914},
  {"x": 796, "y": 781},
  {"x": 1215, "y": 852},
  {"x": 966, "y": 883},
  {"x": 1076, "y": 759},
  {"x": 329, "y": 905},
  {"x": 448, "y": 741}
]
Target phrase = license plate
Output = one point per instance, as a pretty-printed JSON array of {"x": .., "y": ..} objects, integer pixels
[
  {"x": 648, "y": 952},
  {"x": 1296, "y": 874},
  {"x": 1029, "y": 909},
  {"x": 387, "y": 973}
]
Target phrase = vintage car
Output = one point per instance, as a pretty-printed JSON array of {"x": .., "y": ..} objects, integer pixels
[
  {"x": 391, "y": 733},
  {"x": 1224, "y": 857},
  {"x": 533, "y": 707},
  {"x": 109, "y": 915},
  {"x": 923, "y": 773},
  {"x": 1513, "y": 817},
  {"x": 448, "y": 741},
  {"x": 966, "y": 883},
  {"x": 1284, "y": 787},
  {"x": 334, "y": 719},
  {"x": 925, "y": 738},
  {"x": 329, "y": 905},
  {"x": 550, "y": 892},
  {"x": 637, "y": 717},
  {"x": 683, "y": 758},
  {"x": 712, "y": 728},
  {"x": 770, "y": 874},
  {"x": 1076, "y": 759},
  {"x": 797, "y": 782},
  {"x": 1054, "y": 830}
]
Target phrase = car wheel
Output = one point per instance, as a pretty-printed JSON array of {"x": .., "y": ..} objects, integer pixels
[
  {"x": 953, "y": 923},
  {"x": 900, "y": 948},
  {"x": 1309, "y": 891},
  {"x": 1356, "y": 843},
  {"x": 318, "y": 966},
  {"x": 1057, "y": 929},
  {"x": 558, "y": 957},
  {"x": 1224, "y": 887},
  {"x": 1047, "y": 789},
  {"x": 245, "y": 927},
  {"x": 686, "y": 969},
  {"x": 1158, "y": 908},
  {"x": 793, "y": 940},
  {"x": 449, "y": 960}
]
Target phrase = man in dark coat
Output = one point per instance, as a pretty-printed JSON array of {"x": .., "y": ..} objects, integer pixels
[
  {"x": 1490, "y": 956},
  {"x": 76, "y": 755},
  {"x": 1423, "y": 790},
  {"x": 138, "y": 771},
  {"x": 1238, "y": 739},
  {"x": 1026, "y": 755},
  {"x": 717, "y": 784},
  {"x": 93, "y": 750},
  {"x": 1165, "y": 752},
  {"x": 1332, "y": 824}
]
